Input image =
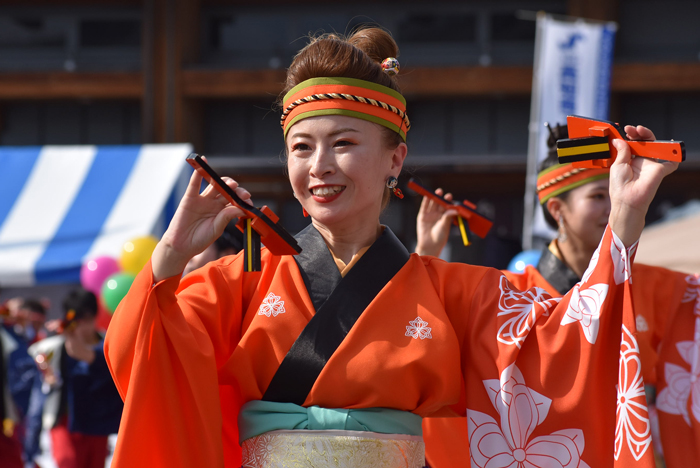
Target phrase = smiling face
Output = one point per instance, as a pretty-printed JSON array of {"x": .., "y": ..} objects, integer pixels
[
  {"x": 338, "y": 168},
  {"x": 585, "y": 212}
]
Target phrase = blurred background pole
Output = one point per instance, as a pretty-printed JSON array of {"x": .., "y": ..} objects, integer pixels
[{"x": 533, "y": 139}]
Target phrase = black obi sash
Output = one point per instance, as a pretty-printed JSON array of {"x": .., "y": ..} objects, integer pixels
[
  {"x": 556, "y": 272},
  {"x": 338, "y": 301}
]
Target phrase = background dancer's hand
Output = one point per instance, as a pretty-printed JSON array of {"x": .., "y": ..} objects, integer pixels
[
  {"x": 433, "y": 226},
  {"x": 633, "y": 184},
  {"x": 199, "y": 220}
]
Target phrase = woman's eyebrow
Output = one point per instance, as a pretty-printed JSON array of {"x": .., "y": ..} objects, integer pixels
[
  {"x": 342, "y": 130},
  {"x": 333, "y": 133}
]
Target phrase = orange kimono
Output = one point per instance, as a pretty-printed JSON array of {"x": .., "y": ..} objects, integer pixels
[
  {"x": 678, "y": 397},
  {"x": 539, "y": 373},
  {"x": 657, "y": 294}
]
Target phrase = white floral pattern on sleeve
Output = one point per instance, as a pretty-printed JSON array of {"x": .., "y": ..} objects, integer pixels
[
  {"x": 693, "y": 290},
  {"x": 683, "y": 384},
  {"x": 633, "y": 428},
  {"x": 525, "y": 307},
  {"x": 508, "y": 445},
  {"x": 584, "y": 307}
]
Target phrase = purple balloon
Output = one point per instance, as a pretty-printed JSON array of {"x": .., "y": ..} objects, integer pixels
[{"x": 94, "y": 272}]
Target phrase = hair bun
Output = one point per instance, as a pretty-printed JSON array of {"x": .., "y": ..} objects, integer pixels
[{"x": 375, "y": 42}]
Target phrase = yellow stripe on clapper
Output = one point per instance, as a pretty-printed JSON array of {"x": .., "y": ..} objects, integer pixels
[
  {"x": 249, "y": 234},
  {"x": 576, "y": 150},
  {"x": 463, "y": 230}
]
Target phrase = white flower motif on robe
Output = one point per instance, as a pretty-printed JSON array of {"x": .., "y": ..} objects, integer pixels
[
  {"x": 525, "y": 307},
  {"x": 418, "y": 328},
  {"x": 271, "y": 306},
  {"x": 683, "y": 384},
  {"x": 633, "y": 427},
  {"x": 641, "y": 323},
  {"x": 584, "y": 307},
  {"x": 693, "y": 290},
  {"x": 622, "y": 259},
  {"x": 508, "y": 445}
]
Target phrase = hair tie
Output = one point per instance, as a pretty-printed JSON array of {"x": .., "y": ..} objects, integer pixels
[{"x": 390, "y": 66}]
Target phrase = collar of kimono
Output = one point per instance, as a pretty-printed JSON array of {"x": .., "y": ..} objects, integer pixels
[
  {"x": 338, "y": 301},
  {"x": 346, "y": 96},
  {"x": 561, "y": 178}
]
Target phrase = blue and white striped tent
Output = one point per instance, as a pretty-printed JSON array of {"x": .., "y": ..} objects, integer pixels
[{"x": 62, "y": 205}]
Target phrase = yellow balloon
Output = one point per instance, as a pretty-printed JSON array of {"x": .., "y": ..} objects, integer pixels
[{"x": 136, "y": 253}]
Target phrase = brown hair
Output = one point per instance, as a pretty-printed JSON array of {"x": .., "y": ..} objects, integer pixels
[
  {"x": 556, "y": 133},
  {"x": 357, "y": 56}
]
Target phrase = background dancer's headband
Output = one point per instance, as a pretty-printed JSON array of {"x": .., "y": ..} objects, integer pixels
[
  {"x": 561, "y": 178},
  {"x": 346, "y": 96}
]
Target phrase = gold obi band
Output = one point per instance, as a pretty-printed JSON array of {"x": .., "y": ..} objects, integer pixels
[{"x": 333, "y": 448}]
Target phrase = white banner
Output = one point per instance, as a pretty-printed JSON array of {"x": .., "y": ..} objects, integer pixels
[{"x": 571, "y": 75}]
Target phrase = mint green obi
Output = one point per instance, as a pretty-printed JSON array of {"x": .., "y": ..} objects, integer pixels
[{"x": 258, "y": 417}]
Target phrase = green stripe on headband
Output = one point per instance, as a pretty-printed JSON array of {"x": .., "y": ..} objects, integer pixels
[
  {"x": 550, "y": 169},
  {"x": 573, "y": 186},
  {"x": 347, "y": 82},
  {"x": 348, "y": 113}
]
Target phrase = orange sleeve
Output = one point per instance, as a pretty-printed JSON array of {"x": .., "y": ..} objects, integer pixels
[
  {"x": 164, "y": 347},
  {"x": 543, "y": 374},
  {"x": 657, "y": 294},
  {"x": 678, "y": 387}
]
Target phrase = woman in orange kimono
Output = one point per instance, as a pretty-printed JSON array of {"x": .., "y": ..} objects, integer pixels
[
  {"x": 335, "y": 355},
  {"x": 577, "y": 205}
]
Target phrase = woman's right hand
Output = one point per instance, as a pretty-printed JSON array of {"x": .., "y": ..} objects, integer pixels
[{"x": 199, "y": 220}]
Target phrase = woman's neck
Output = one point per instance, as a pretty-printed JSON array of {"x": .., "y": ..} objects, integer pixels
[
  {"x": 575, "y": 255},
  {"x": 346, "y": 243}
]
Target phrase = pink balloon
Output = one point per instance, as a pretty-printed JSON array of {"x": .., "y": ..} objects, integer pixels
[{"x": 94, "y": 272}]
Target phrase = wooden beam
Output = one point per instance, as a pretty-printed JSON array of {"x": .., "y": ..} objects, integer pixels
[
  {"x": 467, "y": 81},
  {"x": 67, "y": 85},
  {"x": 656, "y": 77},
  {"x": 237, "y": 84},
  {"x": 418, "y": 81},
  {"x": 65, "y": 3},
  {"x": 449, "y": 81},
  {"x": 188, "y": 117},
  {"x": 159, "y": 72},
  {"x": 232, "y": 83}
]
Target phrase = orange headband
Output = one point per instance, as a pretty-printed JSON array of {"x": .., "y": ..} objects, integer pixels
[
  {"x": 346, "y": 96},
  {"x": 561, "y": 178}
]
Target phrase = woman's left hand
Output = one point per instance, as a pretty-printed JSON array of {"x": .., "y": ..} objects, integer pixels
[
  {"x": 633, "y": 184},
  {"x": 433, "y": 225}
]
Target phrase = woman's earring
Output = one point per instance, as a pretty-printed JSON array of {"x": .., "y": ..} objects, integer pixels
[
  {"x": 303, "y": 210},
  {"x": 562, "y": 230},
  {"x": 392, "y": 182}
]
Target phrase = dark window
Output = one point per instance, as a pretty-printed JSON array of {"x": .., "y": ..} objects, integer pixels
[
  {"x": 507, "y": 27},
  {"x": 430, "y": 28},
  {"x": 217, "y": 26},
  {"x": 110, "y": 33}
]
